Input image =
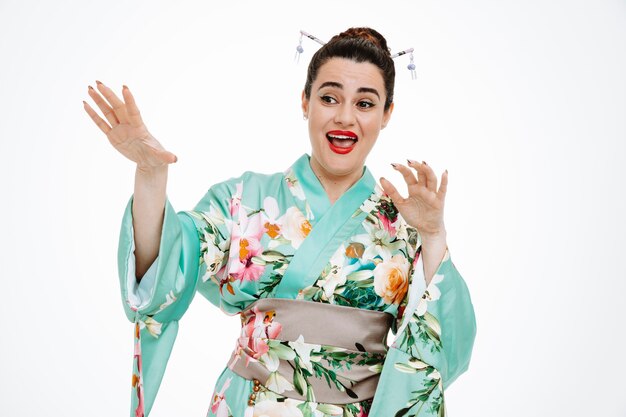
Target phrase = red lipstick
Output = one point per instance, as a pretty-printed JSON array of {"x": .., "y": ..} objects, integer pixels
[{"x": 341, "y": 141}]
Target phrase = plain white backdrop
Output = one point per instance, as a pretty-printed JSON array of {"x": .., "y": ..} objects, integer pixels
[{"x": 524, "y": 102}]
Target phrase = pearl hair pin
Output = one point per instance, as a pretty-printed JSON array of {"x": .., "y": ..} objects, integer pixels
[{"x": 299, "y": 49}]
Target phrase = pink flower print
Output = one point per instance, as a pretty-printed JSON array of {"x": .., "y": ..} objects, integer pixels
[
  {"x": 388, "y": 225},
  {"x": 257, "y": 328},
  {"x": 417, "y": 257},
  {"x": 246, "y": 242},
  {"x": 219, "y": 407},
  {"x": 137, "y": 381},
  {"x": 244, "y": 268}
]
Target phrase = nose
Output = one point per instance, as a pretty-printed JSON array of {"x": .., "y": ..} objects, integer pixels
[{"x": 344, "y": 115}]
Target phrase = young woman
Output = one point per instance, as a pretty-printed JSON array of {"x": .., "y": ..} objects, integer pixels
[{"x": 319, "y": 261}]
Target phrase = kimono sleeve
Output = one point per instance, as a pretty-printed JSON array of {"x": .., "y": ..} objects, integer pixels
[
  {"x": 163, "y": 295},
  {"x": 432, "y": 347}
]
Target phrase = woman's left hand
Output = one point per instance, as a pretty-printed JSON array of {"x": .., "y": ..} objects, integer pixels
[{"x": 423, "y": 208}]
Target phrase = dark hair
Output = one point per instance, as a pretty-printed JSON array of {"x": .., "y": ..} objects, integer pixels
[{"x": 361, "y": 44}]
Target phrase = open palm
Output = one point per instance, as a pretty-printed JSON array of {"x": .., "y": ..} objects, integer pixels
[
  {"x": 125, "y": 129},
  {"x": 423, "y": 208}
]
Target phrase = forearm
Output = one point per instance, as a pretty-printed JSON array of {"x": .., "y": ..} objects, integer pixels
[
  {"x": 148, "y": 209},
  {"x": 433, "y": 249}
]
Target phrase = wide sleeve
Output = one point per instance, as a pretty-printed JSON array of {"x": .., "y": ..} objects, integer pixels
[
  {"x": 432, "y": 347},
  {"x": 160, "y": 299}
]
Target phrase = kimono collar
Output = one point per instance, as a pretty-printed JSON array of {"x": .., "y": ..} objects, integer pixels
[{"x": 316, "y": 195}]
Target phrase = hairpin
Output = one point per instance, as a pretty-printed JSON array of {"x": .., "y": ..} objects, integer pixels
[
  {"x": 300, "y": 49},
  {"x": 411, "y": 66}
]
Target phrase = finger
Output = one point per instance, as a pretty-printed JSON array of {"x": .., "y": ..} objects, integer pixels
[
  {"x": 391, "y": 191},
  {"x": 407, "y": 174},
  {"x": 161, "y": 154},
  {"x": 103, "y": 106},
  {"x": 118, "y": 105},
  {"x": 421, "y": 176},
  {"x": 97, "y": 119},
  {"x": 134, "y": 117},
  {"x": 166, "y": 156},
  {"x": 430, "y": 177},
  {"x": 443, "y": 187}
]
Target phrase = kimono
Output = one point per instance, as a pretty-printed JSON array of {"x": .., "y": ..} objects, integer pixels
[{"x": 318, "y": 286}]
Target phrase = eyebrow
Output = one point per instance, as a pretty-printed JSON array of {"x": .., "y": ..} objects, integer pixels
[{"x": 340, "y": 86}]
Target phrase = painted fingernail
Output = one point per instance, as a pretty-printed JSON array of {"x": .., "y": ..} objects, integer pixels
[
  {"x": 424, "y": 162},
  {"x": 410, "y": 161},
  {"x": 446, "y": 171},
  {"x": 124, "y": 87},
  {"x": 394, "y": 165},
  {"x": 90, "y": 87}
]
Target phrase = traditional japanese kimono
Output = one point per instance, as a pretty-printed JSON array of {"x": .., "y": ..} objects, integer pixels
[{"x": 318, "y": 286}]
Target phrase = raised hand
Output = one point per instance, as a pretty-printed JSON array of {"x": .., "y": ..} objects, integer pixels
[
  {"x": 125, "y": 128},
  {"x": 423, "y": 208}
]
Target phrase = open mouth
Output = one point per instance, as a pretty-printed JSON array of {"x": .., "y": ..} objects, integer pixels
[{"x": 341, "y": 142}]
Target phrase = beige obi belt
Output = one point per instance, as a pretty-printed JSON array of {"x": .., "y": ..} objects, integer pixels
[{"x": 312, "y": 351}]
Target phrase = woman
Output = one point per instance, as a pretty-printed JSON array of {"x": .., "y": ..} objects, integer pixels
[{"x": 318, "y": 260}]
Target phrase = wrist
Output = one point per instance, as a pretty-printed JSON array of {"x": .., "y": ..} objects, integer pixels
[
  {"x": 148, "y": 171},
  {"x": 433, "y": 236}
]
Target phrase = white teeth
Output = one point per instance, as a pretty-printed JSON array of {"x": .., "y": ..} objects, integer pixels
[{"x": 341, "y": 137}]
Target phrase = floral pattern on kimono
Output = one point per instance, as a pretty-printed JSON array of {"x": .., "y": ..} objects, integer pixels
[{"x": 277, "y": 236}]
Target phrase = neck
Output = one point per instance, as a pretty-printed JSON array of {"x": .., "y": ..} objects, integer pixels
[{"x": 334, "y": 185}]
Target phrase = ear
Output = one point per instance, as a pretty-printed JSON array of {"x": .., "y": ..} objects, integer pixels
[
  {"x": 387, "y": 116},
  {"x": 305, "y": 104}
]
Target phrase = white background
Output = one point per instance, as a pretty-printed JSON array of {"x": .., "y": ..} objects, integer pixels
[{"x": 523, "y": 102}]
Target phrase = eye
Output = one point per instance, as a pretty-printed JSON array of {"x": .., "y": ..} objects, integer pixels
[
  {"x": 328, "y": 99},
  {"x": 365, "y": 104}
]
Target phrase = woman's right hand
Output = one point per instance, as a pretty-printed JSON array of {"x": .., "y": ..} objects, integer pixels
[{"x": 126, "y": 130}]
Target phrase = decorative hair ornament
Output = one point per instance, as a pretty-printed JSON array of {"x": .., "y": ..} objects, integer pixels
[{"x": 300, "y": 49}]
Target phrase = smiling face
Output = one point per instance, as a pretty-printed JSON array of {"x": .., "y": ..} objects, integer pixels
[{"x": 346, "y": 111}]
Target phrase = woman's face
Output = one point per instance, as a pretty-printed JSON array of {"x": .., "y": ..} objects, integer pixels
[{"x": 346, "y": 112}]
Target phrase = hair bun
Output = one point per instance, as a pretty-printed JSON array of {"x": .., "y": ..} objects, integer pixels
[{"x": 367, "y": 34}]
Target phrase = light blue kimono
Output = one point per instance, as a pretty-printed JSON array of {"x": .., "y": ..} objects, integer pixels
[{"x": 277, "y": 236}]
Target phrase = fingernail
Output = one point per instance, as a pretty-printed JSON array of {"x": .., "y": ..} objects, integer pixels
[
  {"x": 446, "y": 171},
  {"x": 98, "y": 82},
  {"x": 410, "y": 161},
  {"x": 90, "y": 87},
  {"x": 424, "y": 162},
  {"x": 394, "y": 165},
  {"x": 124, "y": 87}
]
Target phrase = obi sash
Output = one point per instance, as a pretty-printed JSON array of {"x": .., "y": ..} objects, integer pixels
[{"x": 304, "y": 342}]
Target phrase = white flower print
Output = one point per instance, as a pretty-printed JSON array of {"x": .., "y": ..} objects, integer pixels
[
  {"x": 337, "y": 275},
  {"x": 294, "y": 186},
  {"x": 213, "y": 216},
  {"x": 377, "y": 242},
  {"x": 212, "y": 255},
  {"x": 432, "y": 293},
  {"x": 169, "y": 299},
  {"x": 269, "y": 408},
  {"x": 295, "y": 226},
  {"x": 278, "y": 383},
  {"x": 153, "y": 326},
  {"x": 303, "y": 350}
]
